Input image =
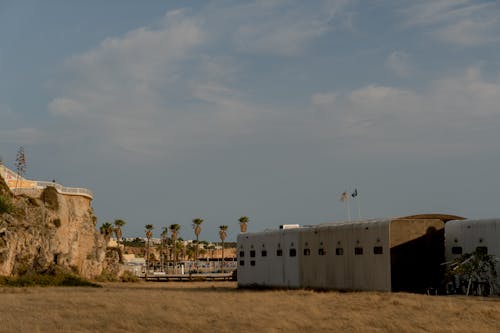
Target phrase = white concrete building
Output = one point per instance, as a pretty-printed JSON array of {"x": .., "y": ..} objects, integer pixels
[{"x": 400, "y": 254}]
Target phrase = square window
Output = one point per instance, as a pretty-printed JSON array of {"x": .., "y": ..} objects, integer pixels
[
  {"x": 242, "y": 254},
  {"x": 242, "y": 262},
  {"x": 358, "y": 251},
  {"x": 252, "y": 254},
  {"x": 339, "y": 251},
  {"x": 307, "y": 252},
  {"x": 482, "y": 250},
  {"x": 456, "y": 250},
  {"x": 321, "y": 252},
  {"x": 279, "y": 252},
  {"x": 252, "y": 263},
  {"x": 378, "y": 250},
  {"x": 263, "y": 253},
  {"x": 293, "y": 252}
]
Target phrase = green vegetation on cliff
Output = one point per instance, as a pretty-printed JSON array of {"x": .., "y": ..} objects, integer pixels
[{"x": 46, "y": 280}]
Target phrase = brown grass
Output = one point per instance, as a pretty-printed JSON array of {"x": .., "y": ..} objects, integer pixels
[{"x": 220, "y": 307}]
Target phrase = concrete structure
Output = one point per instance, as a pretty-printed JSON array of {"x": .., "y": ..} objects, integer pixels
[
  {"x": 399, "y": 254},
  {"x": 467, "y": 236},
  {"x": 19, "y": 185}
]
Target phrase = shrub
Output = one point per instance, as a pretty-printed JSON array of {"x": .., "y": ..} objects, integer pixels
[
  {"x": 106, "y": 276},
  {"x": 128, "y": 276},
  {"x": 5, "y": 205},
  {"x": 45, "y": 280}
]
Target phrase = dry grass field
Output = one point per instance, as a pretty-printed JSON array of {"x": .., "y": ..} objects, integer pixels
[{"x": 221, "y": 307}]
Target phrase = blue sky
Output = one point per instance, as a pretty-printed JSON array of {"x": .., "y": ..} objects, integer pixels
[{"x": 170, "y": 111}]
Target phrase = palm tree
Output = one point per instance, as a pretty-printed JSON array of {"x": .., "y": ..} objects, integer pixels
[
  {"x": 222, "y": 235},
  {"x": 119, "y": 223},
  {"x": 243, "y": 223},
  {"x": 106, "y": 230},
  {"x": 197, "y": 230},
  {"x": 149, "y": 235},
  {"x": 164, "y": 238},
  {"x": 174, "y": 230}
]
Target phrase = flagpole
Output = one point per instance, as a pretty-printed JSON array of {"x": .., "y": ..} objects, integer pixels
[
  {"x": 359, "y": 207},
  {"x": 354, "y": 195},
  {"x": 345, "y": 199},
  {"x": 348, "y": 210}
]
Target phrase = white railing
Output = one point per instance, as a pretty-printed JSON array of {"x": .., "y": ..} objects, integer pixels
[
  {"x": 67, "y": 190},
  {"x": 7, "y": 174},
  {"x": 59, "y": 188}
]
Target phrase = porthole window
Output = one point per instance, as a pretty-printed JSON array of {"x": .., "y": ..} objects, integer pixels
[
  {"x": 307, "y": 252},
  {"x": 378, "y": 250},
  {"x": 293, "y": 252},
  {"x": 339, "y": 251},
  {"x": 456, "y": 250}
]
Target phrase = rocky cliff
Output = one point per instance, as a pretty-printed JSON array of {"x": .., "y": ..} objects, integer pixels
[{"x": 46, "y": 229}]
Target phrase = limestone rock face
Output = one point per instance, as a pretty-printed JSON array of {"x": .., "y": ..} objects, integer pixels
[{"x": 46, "y": 228}]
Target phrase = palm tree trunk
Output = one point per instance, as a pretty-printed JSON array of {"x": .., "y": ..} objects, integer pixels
[
  {"x": 175, "y": 255},
  {"x": 222, "y": 262},
  {"x": 147, "y": 258},
  {"x": 196, "y": 255}
]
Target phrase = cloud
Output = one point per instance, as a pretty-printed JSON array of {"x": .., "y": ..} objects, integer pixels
[
  {"x": 22, "y": 135},
  {"x": 286, "y": 29},
  {"x": 121, "y": 89},
  {"x": 323, "y": 99},
  {"x": 173, "y": 86},
  {"x": 165, "y": 87},
  {"x": 472, "y": 32},
  {"x": 378, "y": 94},
  {"x": 153, "y": 90},
  {"x": 455, "y": 114},
  {"x": 66, "y": 107},
  {"x": 399, "y": 62},
  {"x": 461, "y": 22}
]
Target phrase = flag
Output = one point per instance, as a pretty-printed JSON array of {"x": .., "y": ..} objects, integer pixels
[
  {"x": 344, "y": 197},
  {"x": 355, "y": 193}
]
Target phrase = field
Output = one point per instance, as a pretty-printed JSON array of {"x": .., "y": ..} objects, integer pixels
[{"x": 221, "y": 307}]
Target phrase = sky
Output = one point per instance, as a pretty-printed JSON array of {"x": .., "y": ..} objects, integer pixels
[{"x": 175, "y": 110}]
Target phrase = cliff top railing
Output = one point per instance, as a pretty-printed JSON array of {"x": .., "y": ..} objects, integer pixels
[
  {"x": 33, "y": 190},
  {"x": 20, "y": 185},
  {"x": 67, "y": 190}
]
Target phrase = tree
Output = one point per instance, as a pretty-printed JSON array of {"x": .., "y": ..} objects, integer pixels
[
  {"x": 243, "y": 223},
  {"x": 20, "y": 164},
  {"x": 119, "y": 223},
  {"x": 222, "y": 235},
  {"x": 164, "y": 239},
  {"x": 149, "y": 234},
  {"x": 197, "y": 230},
  {"x": 106, "y": 230},
  {"x": 476, "y": 270},
  {"x": 174, "y": 230}
]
